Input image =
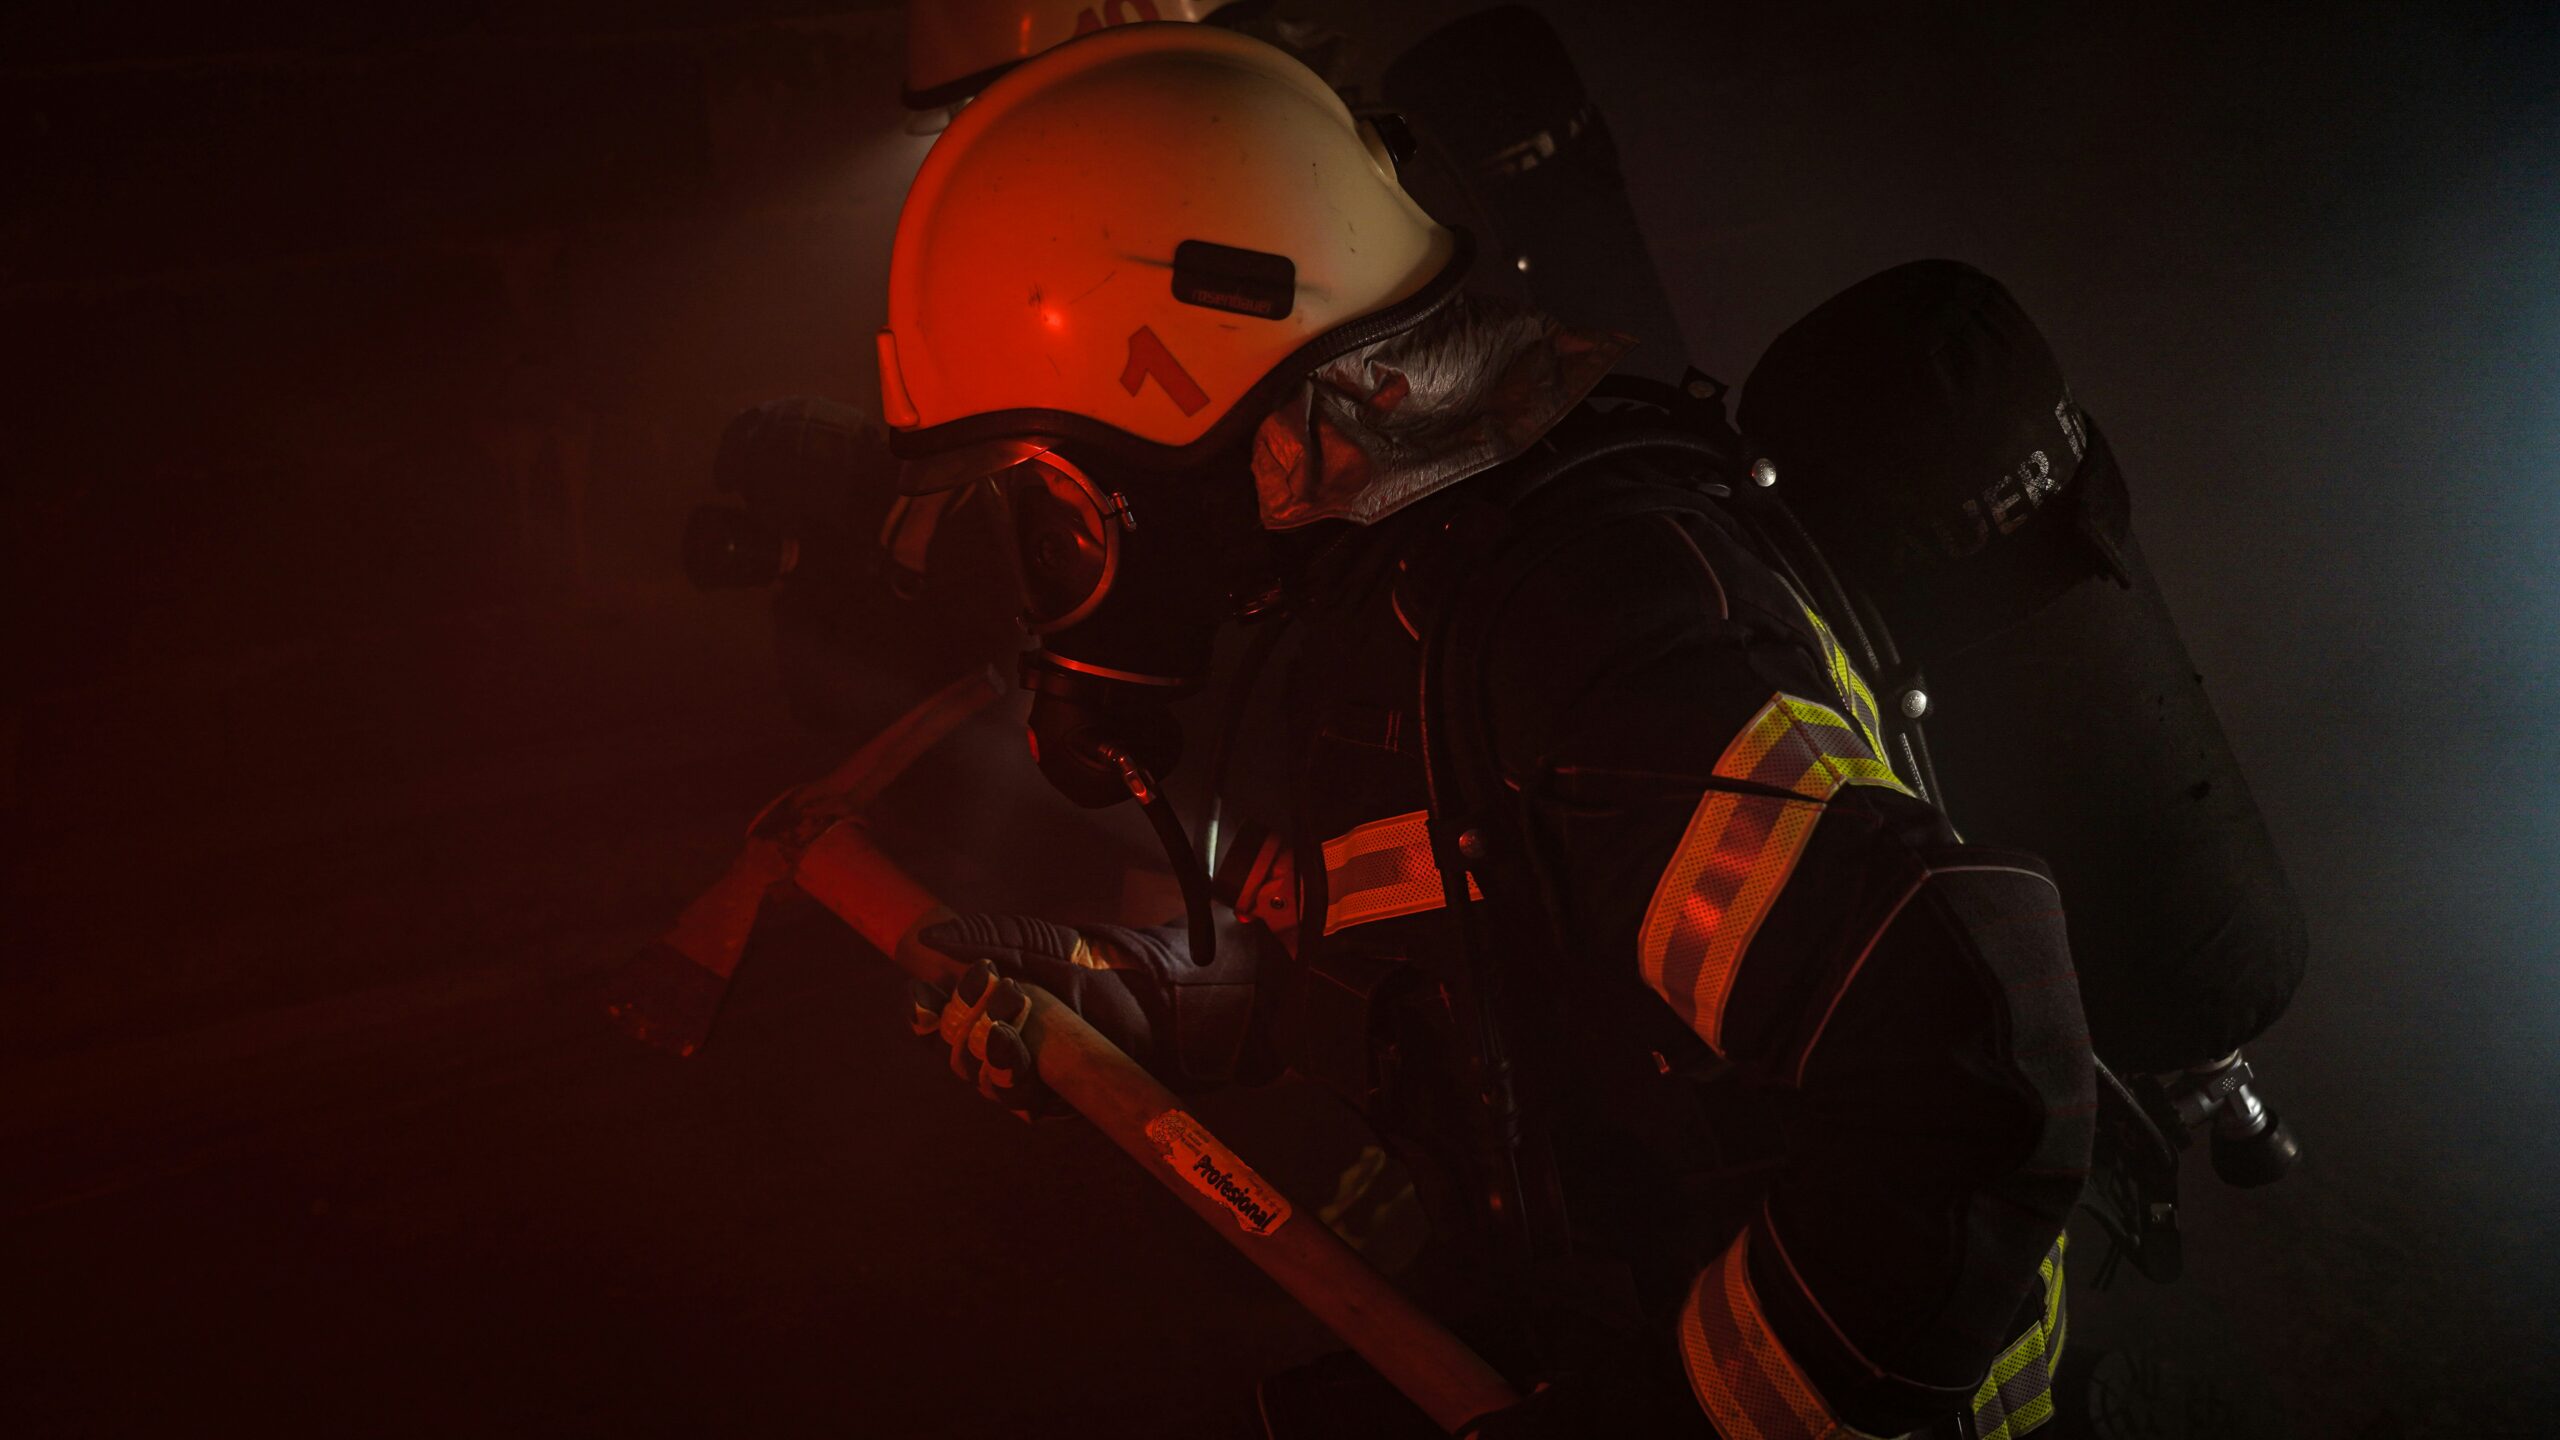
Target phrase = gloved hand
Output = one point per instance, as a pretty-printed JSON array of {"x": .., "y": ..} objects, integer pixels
[{"x": 1188, "y": 1026}]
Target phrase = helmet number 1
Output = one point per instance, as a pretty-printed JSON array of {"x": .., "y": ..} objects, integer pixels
[{"x": 1148, "y": 356}]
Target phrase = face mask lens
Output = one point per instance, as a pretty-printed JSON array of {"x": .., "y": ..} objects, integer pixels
[{"x": 1065, "y": 541}]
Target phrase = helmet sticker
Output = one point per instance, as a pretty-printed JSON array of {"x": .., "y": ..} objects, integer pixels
[
  {"x": 1148, "y": 356},
  {"x": 1240, "y": 282}
]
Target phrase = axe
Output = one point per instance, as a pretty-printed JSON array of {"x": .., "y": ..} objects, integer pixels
[
  {"x": 845, "y": 872},
  {"x": 813, "y": 837}
]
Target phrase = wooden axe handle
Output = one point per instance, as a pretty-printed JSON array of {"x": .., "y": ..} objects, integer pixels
[
  {"x": 850, "y": 788},
  {"x": 849, "y": 875}
]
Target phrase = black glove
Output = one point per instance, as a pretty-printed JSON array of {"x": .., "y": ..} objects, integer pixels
[{"x": 1188, "y": 1026}]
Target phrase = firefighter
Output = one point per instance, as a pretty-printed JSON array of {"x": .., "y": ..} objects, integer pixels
[{"x": 1746, "y": 1100}]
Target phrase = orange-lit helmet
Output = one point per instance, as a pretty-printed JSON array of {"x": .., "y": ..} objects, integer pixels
[
  {"x": 954, "y": 47},
  {"x": 1138, "y": 241}
]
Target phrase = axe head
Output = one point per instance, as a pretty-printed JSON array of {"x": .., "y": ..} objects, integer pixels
[
  {"x": 669, "y": 994},
  {"x": 661, "y": 997}
]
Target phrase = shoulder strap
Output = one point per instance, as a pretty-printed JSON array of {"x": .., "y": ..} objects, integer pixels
[
  {"x": 1487, "y": 550},
  {"x": 1493, "y": 549}
]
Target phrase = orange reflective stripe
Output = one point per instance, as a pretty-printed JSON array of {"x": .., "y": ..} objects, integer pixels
[
  {"x": 1741, "y": 1373},
  {"x": 1382, "y": 870},
  {"x": 1739, "y": 849}
]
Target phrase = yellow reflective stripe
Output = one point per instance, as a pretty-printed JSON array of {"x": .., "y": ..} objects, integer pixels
[
  {"x": 2011, "y": 1361},
  {"x": 1740, "y": 1371},
  {"x": 2030, "y": 1416},
  {"x": 1863, "y": 702},
  {"x": 2051, "y": 1270},
  {"x": 1852, "y": 686},
  {"x": 1846, "y": 680},
  {"x": 1846, "y": 754},
  {"x": 1381, "y": 870},
  {"x": 2017, "y": 1396},
  {"x": 1739, "y": 850}
]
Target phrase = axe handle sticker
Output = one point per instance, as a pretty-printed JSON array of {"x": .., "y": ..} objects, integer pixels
[{"x": 1215, "y": 1171}]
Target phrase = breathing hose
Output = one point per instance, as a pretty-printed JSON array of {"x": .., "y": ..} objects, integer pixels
[{"x": 1177, "y": 850}]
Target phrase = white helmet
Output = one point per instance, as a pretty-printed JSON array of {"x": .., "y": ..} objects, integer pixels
[
  {"x": 1140, "y": 241},
  {"x": 954, "y": 47}
]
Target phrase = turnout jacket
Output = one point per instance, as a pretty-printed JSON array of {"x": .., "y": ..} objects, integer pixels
[{"x": 1800, "y": 1078}]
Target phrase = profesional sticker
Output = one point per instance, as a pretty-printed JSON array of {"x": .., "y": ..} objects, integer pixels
[{"x": 1214, "y": 1171}]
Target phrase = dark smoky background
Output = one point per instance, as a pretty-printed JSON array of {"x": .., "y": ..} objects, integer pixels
[{"x": 361, "y": 364}]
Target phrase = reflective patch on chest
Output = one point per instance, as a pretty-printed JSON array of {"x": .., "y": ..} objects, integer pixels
[
  {"x": 1382, "y": 870},
  {"x": 1217, "y": 1172}
]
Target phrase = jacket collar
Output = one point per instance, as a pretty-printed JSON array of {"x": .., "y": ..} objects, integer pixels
[{"x": 1472, "y": 386}]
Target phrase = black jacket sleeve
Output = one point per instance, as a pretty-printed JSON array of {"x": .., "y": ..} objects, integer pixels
[{"x": 1704, "y": 788}]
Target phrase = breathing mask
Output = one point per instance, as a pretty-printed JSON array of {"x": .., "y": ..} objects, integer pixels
[
  {"x": 1124, "y": 580},
  {"x": 1124, "y": 577}
]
